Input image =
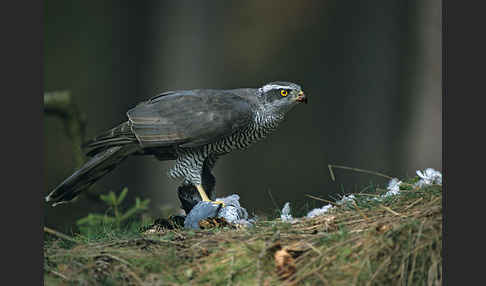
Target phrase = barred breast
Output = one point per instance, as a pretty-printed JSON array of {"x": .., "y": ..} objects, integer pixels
[
  {"x": 262, "y": 125},
  {"x": 189, "y": 161}
]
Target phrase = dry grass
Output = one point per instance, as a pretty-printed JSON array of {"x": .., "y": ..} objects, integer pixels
[{"x": 397, "y": 241}]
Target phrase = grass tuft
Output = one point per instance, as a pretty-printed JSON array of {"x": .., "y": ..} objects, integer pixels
[{"x": 394, "y": 241}]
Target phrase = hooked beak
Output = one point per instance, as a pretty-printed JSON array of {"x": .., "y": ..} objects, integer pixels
[{"x": 301, "y": 97}]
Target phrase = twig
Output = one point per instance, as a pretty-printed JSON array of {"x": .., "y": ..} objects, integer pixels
[
  {"x": 115, "y": 258},
  {"x": 361, "y": 212},
  {"x": 356, "y": 170},
  {"x": 414, "y": 259},
  {"x": 365, "y": 194},
  {"x": 59, "y": 274},
  {"x": 58, "y": 234},
  {"x": 433, "y": 201},
  {"x": 313, "y": 248},
  {"x": 273, "y": 200},
  {"x": 250, "y": 247},
  {"x": 392, "y": 211},
  {"x": 378, "y": 270},
  {"x": 302, "y": 261},
  {"x": 412, "y": 204},
  {"x": 319, "y": 199}
]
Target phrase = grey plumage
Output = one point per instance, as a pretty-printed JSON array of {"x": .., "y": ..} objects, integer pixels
[
  {"x": 232, "y": 212},
  {"x": 192, "y": 127}
]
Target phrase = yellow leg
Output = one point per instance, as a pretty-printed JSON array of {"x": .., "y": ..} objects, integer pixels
[
  {"x": 202, "y": 193},
  {"x": 204, "y": 196}
]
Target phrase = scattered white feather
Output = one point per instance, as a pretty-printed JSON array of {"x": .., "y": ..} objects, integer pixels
[
  {"x": 429, "y": 177},
  {"x": 286, "y": 215},
  {"x": 393, "y": 187},
  {"x": 346, "y": 199},
  {"x": 319, "y": 211}
]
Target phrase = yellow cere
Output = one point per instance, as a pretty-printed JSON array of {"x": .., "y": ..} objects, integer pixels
[{"x": 283, "y": 92}]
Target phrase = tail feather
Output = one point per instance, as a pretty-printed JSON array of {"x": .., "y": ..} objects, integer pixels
[
  {"x": 96, "y": 167},
  {"x": 120, "y": 135}
]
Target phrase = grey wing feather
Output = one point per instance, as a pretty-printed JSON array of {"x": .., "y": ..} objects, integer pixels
[
  {"x": 189, "y": 118},
  {"x": 118, "y": 136}
]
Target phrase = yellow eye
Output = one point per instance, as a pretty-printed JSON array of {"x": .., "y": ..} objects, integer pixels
[{"x": 283, "y": 92}]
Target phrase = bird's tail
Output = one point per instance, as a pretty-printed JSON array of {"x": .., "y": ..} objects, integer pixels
[{"x": 96, "y": 167}]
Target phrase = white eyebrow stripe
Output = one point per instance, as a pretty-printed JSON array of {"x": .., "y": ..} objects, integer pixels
[{"x": 269, "y": 87}]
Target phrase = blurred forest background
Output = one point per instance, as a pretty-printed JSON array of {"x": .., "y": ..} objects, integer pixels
[{"x": 371, "y": 69}]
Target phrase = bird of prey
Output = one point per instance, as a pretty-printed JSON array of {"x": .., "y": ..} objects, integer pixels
[{"x": 192, "y": 127}]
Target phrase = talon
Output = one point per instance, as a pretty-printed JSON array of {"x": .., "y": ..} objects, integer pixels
[
  {"x": 205, "y": 198},
  {"x": 218, "y": 203}
]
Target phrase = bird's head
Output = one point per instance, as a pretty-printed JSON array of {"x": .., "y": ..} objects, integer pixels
[{"x": 281, "y": 95}]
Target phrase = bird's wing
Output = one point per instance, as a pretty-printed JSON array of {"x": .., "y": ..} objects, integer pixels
[{"x": 189, "y": 118}]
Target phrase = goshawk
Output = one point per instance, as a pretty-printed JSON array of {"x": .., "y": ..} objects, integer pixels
[{"x": 192, "y": 127}]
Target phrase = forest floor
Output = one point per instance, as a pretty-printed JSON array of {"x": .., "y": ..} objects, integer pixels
[{"x": 396, "y": 240}]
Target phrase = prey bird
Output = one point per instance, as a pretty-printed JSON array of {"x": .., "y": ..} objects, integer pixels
[{"x": 192, "y": 127}]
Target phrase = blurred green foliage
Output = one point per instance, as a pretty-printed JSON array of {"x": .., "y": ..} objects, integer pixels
[{"x": 118, "y": 216}]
